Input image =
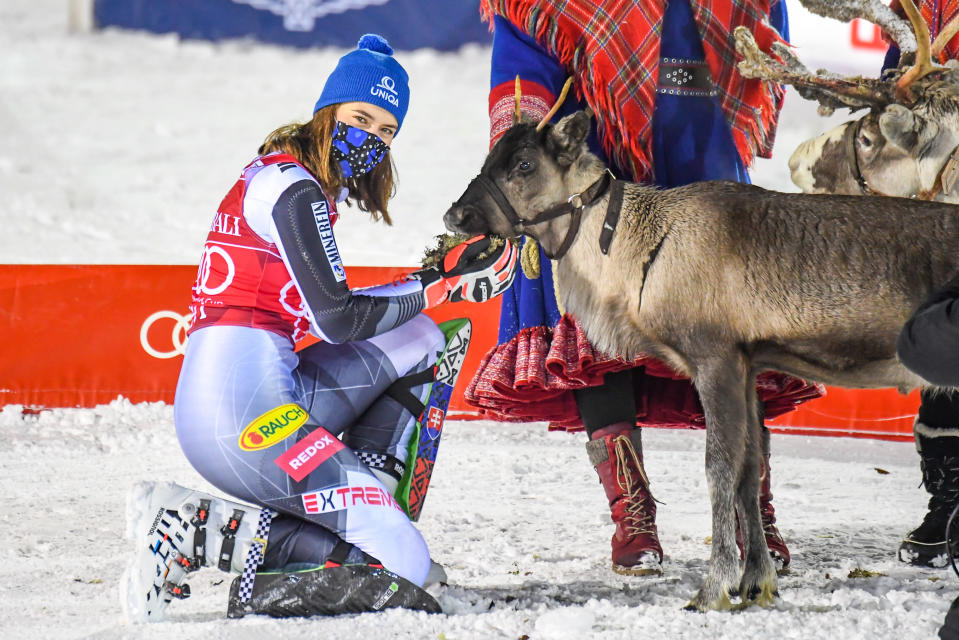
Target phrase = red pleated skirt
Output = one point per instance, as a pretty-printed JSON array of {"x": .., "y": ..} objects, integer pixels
[{"x": 531, "y": 378}]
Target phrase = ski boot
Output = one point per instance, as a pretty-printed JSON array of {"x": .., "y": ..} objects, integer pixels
[
  {"x": 616, "y": 453},
  {"x": 939, "y": 460},
  {"x": 175, "y": 532}
]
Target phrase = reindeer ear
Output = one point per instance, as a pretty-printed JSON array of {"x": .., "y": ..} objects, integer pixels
[
  {"x": 567, "y": 139},
  {"x": 898, "y": 126}
]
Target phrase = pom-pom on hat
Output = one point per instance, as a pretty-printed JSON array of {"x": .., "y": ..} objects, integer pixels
[{"x": 369, "y": 74}]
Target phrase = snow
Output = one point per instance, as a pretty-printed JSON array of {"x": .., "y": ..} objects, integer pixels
[
  {"x": 117, "y": 148},
  {"x": 515, "y": 515}
]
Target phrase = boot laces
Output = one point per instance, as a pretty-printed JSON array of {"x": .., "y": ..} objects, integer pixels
[
  {"x": 638, "y": 518},
  {"x": 769, "y": 524},
  {"x": 941, "y": 479}
]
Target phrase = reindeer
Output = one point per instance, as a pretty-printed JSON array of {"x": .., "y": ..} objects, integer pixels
[
  {"x": 722, "y": 281},
  {"x": 908, "y": 143},
  {"x": 905, "y": 146}
]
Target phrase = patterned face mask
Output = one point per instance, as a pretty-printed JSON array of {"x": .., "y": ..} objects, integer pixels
[{"x": 356, "y": 151}]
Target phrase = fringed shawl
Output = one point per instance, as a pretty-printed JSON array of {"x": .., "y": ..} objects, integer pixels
[{"x": 612, "y": 49}]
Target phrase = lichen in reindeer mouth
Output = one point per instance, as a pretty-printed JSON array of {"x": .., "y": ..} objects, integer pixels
[{"x": 446, "y": 242}]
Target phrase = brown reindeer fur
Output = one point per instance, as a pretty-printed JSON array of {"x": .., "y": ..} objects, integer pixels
[
  {"x": 815, "y": 286},
  {"x": 745, "y": 280}
]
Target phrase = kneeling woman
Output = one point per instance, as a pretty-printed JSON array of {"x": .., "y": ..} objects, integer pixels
[{"x": 310, "y": 435}]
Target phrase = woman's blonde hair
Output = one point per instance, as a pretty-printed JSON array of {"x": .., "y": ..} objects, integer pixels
[{"x": 310, "y": 143}]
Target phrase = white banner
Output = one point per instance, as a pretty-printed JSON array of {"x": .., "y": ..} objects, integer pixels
[{"x": 822, "y": 43}]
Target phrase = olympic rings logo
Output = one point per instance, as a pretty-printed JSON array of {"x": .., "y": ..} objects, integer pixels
[{"x": 178, "y": 335}]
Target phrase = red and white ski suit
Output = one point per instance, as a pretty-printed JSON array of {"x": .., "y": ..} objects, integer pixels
[{"x": 260, "y": 420}]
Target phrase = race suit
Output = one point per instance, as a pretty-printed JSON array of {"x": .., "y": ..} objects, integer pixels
[{"x": 261, "y": 421}]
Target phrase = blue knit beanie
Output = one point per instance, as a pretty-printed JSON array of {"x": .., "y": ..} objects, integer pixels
[{"x": 369, "y": 74}]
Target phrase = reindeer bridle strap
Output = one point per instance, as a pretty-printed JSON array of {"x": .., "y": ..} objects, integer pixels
[
  {"x": 945, "y": 179},
  {"x": 612, "y": 216},
  {"x": 501, "y": 200},
  {"x": 573, "y": 207},
  {"x": 849, "y": 143}
]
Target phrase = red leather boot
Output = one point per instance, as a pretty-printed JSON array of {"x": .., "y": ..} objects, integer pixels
[
  {"x": 774, "y": 540},
  {"x": 617, "y": 455}
]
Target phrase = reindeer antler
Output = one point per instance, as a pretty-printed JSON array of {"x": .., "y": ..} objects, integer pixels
[
  {"x": 923, "y": 65},
  {"x": 517, "y": 94},
  {"x": 876, "y": 12},
  {"x": 947, "y": 33},
  {"x": 910, "y": 37},
  {"x": 556, "y": 105},
  {"x": 830, "y": 90}
]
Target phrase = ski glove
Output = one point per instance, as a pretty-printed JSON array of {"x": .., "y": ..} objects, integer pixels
[{"x": 463, "y": 276}]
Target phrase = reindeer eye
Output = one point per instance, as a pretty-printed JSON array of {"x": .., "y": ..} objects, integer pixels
[
  {"x": 521, "y": 164},
  {"x": 865, "y": 141}
]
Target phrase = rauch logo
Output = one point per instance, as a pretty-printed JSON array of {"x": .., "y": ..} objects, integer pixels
[{"x": 272, "y": 427}]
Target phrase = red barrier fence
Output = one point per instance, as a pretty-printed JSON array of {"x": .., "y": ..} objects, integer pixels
[{"x": 81, "y": 335}]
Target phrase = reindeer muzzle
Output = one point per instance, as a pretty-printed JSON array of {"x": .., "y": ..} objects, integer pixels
[{"x": 502, "y": 203}]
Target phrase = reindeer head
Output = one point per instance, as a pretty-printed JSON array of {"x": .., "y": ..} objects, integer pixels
[
  {"x": 532, "y": 169},
  {"x": 898, "y": 151},
  {"x": 905, "y": 145}
]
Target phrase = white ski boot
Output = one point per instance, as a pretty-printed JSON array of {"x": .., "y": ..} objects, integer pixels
[{"x": 175, "y": 531}]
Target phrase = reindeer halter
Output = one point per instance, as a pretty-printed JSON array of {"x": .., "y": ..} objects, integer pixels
[
  {"x": 574, "y": 205},
  {"x": 944, "y": 183},
  {"x": 849, "y": 147}
]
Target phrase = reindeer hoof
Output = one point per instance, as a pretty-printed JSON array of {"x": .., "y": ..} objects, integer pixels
[
  {"x": 763, "y": 595},
  {"x": 701, "y": 604}
]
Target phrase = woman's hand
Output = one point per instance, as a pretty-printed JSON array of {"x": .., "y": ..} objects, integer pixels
[{"x": 462, "y": 275}]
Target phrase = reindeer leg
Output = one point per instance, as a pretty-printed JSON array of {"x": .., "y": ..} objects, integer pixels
[
  {"x": 758, "y": 584},
  {"x": 721, "y": 383}
]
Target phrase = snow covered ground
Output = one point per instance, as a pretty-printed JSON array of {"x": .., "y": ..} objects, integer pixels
[
  {"x": 117, "y": 147},
  {"x": 514, "y": 513}
]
